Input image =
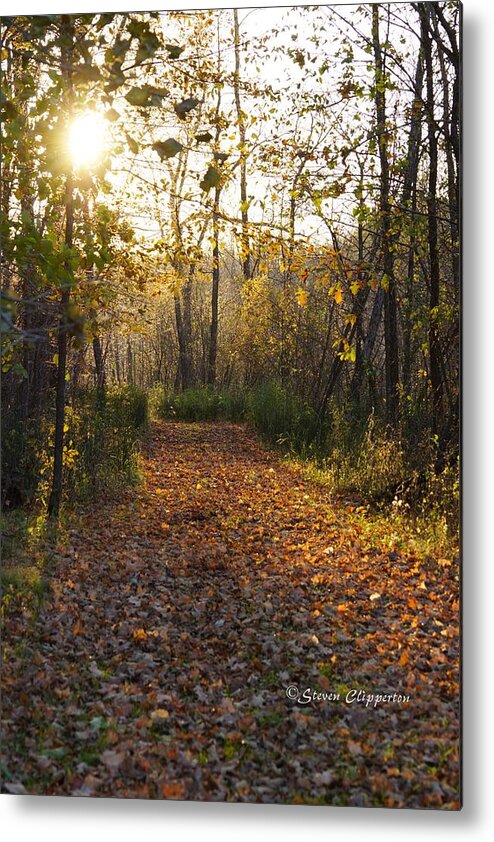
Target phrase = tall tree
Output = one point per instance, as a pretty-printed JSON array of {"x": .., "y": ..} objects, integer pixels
[
  {"x": 388, "y": 281},
  {"x": 432, "y": 224},
  {"x": 66, "y": 61},
  {"x": 244, "y": 203}
]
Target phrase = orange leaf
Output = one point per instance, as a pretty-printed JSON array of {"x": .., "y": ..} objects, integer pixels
[{"x": 173, "y": 790}]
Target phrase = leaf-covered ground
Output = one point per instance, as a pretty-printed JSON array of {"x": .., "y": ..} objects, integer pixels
[{"x": 179, "y": 615}]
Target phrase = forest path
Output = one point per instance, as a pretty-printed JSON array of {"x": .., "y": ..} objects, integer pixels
[{"x": 179, "y": 616}]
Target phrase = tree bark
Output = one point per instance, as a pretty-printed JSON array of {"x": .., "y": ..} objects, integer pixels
[
  {"x": 409, "y": 197},
  {"x": 244, "y": 211},
  {"x": 213, "y": 334},
  {"x": 434, "y": 269},
  {"x": 67, "y": 38},
  {"x": 390, "y": 306}
]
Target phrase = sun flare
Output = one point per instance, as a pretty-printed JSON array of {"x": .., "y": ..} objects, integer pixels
[{"x": 87, "y": 139}]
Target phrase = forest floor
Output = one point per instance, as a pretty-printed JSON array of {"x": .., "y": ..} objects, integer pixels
[{"x": 178, "y": 616}]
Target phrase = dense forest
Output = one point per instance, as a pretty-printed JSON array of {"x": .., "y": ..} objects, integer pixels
[{"x": 247, "y": 220}]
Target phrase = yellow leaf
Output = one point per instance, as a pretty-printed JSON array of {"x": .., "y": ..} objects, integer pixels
[
  {"x": 338, "y": 296},
  {"x": 160, "y": 713},
  {"x": 302, "y": 296}
]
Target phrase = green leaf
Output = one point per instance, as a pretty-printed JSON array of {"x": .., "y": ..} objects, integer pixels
[
  {"x": 20, "y": 370},
  {"x": 9, "y": 109},
  {"x": 87, "y": 73},
  {"x": 148, "y": 45},
  {"x": 112, "y": 115},
  {"x": 203, "y": 137},
  {"x": 116, "y": 77},
  {"x": 183, "y": 108},
  {"x": 137, "y": 28},
  {"x": 211, "y": 179},
  {"x": 137, "y": 96},
  {"x": 6, "y": 323},
  {"x": 167, "y": 148},
  {"x": 147, "y": 95},
  {"x": 174, "y": 51},
  {"x": 221, "y": 156},
  {"x": 75, "y": 321},
  {"x": 157, "y": 95},
  {"x": 317, "y": 199},
  {"x": 120, "y": 47},
  {"x": 133, "y": 145}
]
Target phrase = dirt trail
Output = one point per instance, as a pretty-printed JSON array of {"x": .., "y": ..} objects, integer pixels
[{"x": 179, "y": 616}]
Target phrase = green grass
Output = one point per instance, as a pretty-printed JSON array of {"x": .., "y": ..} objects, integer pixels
[
  {"x": 105, "y": 438},
  {"x": 26, "y": 578},
  {"x": 203, "y": 403},
  {"x": 350, "y": 454},
  {"x": 272, "y": 717},
  {"x": 279, "y": 418}
]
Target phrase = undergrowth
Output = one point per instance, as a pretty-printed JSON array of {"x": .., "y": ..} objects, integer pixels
[
  {"x": 402, "y": 500},
  {"x": 101, "y": 455}
]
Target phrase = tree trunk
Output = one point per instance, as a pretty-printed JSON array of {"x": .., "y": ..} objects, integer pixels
[
  {"x": 244, "y": 211},
  {"x": 130, "y": 363},
  {"x": 434, "y": 270},
  {"x": 389, "y": 283},
  {"x": 99, "y": 365},
  {"x": 67, "y": 33},
  {"x": 409, "y": 197},
  {"x": 184, "y": 364},
  {"x": 213, "y": 335}
]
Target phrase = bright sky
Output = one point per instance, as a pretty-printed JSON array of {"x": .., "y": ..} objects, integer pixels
[{"x": 273, "y": 68}]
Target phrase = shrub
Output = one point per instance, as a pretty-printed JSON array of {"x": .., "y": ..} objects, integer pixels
[
  {"x": 203, "y": 403},
  {"x": 103, "y": 439},
  {"x": 284, "y": 419},
  {"x": 368, "y": 461},
  {"x": 195, "y": 404},
  {"x": 233, "y": 404},
  {"x": 21, "y": 463},
  {"x": 278, "y": 417}
]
